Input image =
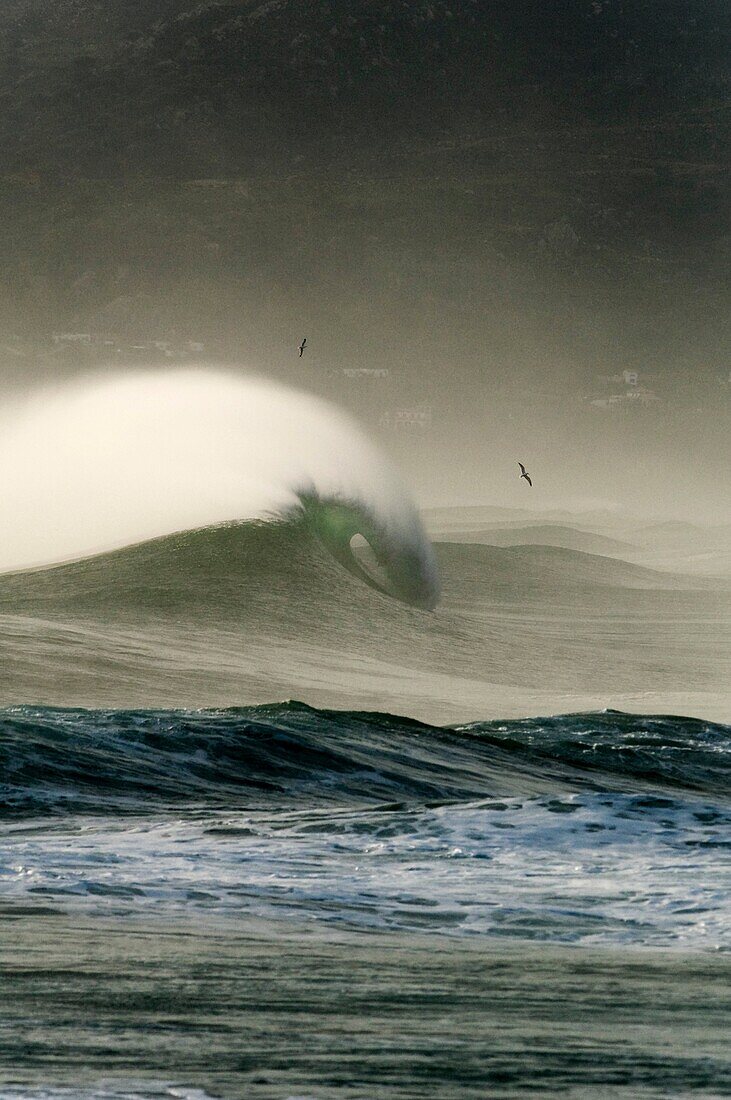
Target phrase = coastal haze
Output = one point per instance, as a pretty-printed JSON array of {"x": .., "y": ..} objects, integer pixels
[
  {"x": 336, "y": 759},
  {"x": 505, "y": 232}
]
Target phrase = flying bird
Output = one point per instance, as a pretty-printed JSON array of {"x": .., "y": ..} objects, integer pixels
[
  {"x": 524, "y": 474},
  {"x": 302, "y": 347}
]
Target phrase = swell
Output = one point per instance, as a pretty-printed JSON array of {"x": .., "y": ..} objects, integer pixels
[
  {"x": 289, "y": 558},
  {"x": 258, "y": 610},
  {"x": 59, "y": 761},
  {"x": 286, "y": 563}
]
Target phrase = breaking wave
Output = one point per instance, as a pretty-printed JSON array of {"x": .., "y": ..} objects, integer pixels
[{"x": 113, "y": 461}]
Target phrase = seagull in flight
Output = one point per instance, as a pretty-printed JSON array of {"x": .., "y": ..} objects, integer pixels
[
  {"x": 524, "y": 474},
  {"x": 302, "y": 347}
]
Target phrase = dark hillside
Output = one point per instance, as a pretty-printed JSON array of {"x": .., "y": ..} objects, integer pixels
[
  {"x": 464, "y": 182},
  {"x": 183, "y": 89}
]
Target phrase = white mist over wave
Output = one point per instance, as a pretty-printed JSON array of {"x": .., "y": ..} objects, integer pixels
[{"x": 108, "y": 461}]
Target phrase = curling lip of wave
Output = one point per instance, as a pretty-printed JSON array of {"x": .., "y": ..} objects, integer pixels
[
  {"x": 120, "y": 460},
  {"x": 404, "y": 569}
]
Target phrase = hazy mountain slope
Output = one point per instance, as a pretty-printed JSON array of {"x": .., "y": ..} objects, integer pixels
[
  {"x": 530, "y": 569},
  {"x": 675, "y": 535},
  {"x": 670, "y": 546},
  {"x": 569, "y": 538},
  {"x": 179, "y": 87}
]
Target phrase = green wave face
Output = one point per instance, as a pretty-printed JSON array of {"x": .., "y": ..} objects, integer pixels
[{"x": 395, "y": 560}]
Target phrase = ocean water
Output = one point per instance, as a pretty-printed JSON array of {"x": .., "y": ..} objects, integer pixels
[
  {"x": 602, "y": 829},
  {"x": 204, "y": 899}
]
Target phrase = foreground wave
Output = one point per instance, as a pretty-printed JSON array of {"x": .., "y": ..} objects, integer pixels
[{"x": 60, "y": 760}]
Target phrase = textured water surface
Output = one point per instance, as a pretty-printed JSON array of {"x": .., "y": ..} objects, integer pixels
[
  {"x": 274, "y": 1010},
  {"x": 596, "y": 828}
]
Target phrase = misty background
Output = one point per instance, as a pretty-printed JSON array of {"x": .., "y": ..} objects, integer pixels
[{"x": 503, "y": 229}]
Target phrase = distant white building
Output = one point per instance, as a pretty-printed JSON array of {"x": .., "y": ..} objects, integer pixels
[
  {"x": 625, "y": 378},
  {"x": 412, "y": 418},
  {"x": 61, "y": 338},
  {"x": 635, "y": 393},
  {"x": 607, "y": 402},
  {"x": 633, "y": 397},
  {"x": 642, "y": 396},
  {"x": 366, "y": 372}
]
